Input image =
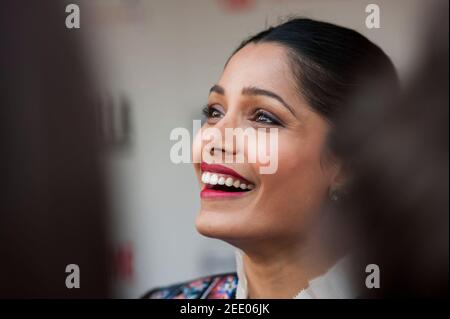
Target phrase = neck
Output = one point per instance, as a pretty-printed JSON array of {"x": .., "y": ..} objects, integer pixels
[{"x": 283, "y": 271}]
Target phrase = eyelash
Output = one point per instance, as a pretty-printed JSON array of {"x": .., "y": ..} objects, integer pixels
[
  {"x": 208, "y": 111},
  {"x": 273, "y": 120}
]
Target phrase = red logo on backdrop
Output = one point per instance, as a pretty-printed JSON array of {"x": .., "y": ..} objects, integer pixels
[
  {"x": 123, "y": 262},
  {"x": 236, "y": 5}
]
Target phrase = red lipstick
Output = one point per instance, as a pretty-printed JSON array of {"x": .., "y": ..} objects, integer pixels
[
  {"x": 218, "y": 194},
  {"x": 212, "y": 191}
]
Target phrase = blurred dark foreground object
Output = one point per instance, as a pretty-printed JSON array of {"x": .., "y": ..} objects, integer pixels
[
  {"x": 52, "y": 208},
  {"x": 398, "y": 199}
]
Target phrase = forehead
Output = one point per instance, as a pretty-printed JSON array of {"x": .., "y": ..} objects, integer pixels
[{"x": 263, "y": 65}]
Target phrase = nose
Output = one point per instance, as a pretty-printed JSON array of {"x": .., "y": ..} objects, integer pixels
[
  {"x": 221, "y": 144},
  {"x": 218, "y": 149}
]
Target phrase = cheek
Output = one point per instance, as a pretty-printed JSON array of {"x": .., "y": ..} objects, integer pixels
[
  {"x": 294, "y": 194},
  {"x": 197, "y": 148},
  {"x": 297, "y": 159}
]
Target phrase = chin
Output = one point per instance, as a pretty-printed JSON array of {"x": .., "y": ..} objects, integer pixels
[
  {"x": 231, "y": 227},
  {"x": 209, "y": 225},
  {"x": 218, "y": 225}
]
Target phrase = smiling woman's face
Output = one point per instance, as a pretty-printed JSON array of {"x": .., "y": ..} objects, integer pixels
[{"x": 257, "y": 90}]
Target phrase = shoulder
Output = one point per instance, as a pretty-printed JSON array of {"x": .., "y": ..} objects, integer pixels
[{"x": 222, "y": 286}]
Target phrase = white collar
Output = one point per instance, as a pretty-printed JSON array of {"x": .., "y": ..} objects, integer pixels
[{"x": 334, "y": 284}]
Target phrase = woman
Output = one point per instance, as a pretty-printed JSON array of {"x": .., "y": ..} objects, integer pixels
[{"x": 296, "y": 77}]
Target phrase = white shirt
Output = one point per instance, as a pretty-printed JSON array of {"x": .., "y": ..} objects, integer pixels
[{"x": 334, "y": 284}]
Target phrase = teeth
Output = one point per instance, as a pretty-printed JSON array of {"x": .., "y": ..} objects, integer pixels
[
  {"x": 205, "y": 177},
  {"x": 229, "y": 182},
  {"x": 214, "y": 179}
]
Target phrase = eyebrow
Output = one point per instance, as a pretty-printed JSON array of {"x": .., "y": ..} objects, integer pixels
[
  {"x": 217, "y": 89},
  {"x": 253, "y": 91}
]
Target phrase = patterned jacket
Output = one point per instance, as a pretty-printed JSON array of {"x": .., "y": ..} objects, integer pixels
[{"x": 221, "y": 286}]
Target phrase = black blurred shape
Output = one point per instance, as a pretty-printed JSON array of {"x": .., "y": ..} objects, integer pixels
[
  {"x": 397, "y": 149},
  {"x": 53, "y": 208}
]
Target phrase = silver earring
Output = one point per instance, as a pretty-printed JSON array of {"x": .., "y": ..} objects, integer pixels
[{"x": 334, "y": 195}]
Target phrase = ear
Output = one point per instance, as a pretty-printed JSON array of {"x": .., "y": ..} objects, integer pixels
[
  {"x": 336, "y": 170},
  {"x": 338, "y": 175}
]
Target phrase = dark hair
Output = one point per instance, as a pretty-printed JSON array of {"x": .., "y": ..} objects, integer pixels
[{"x": 330, "y": 63}]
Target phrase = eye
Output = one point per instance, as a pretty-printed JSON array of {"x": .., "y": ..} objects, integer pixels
[
  {"x": 265, "y": 117},
  {"x": 211, "y": 112}
]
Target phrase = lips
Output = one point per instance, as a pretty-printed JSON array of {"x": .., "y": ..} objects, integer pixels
[{"x": 223, "y": 182}]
